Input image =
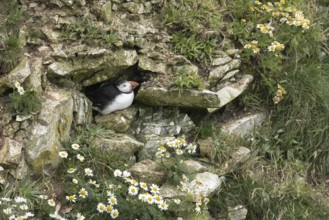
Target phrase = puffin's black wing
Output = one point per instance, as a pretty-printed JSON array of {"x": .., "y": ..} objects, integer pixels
[{"x": 102, "y": 96}]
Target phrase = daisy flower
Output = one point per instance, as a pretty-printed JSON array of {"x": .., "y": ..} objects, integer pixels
[
  {"x": 126, "y": 173},
  {"x": 20, "y": 200},
  {"x": 112, "y": 200},
  {"x": 143, "y": 186},
  {"x": 177, "y": 201},
  {"x": 149, "y": 199},
  {"x": 75, "y": 181},
  {"x": 51, "y": 202},
  {"x": 117, "y": 172},
  {"x": 88, "y": 172},
  {"x": 83, "y": 193},
  {"x": 101, "y": 207},
  {"x": 114, "y": 213},
  {"x": 7, "y": 211},
  {"x": 75, "y": 146},
  {"x": 142, "y": 197},
  {"x": 24, "y": 207},
  {"x": 80, "y": 216},
  {"x": 63, "y": 154},
  {"x": 80, "y": 157},
  {"x": 109, "y": 208},
  {"x": 17, "y": 84},
  {"x": 179, "y": 151},
  {"x": 163, "y": 205},
  {"x": 157, "y": 199},
  {"x": 154, "y": 188},
  {"x": 21, "y": 90},
  {"x": 132, "y": 190},
  {"x": 71, "y": 170},
  {"x": 71, "y": 198}
]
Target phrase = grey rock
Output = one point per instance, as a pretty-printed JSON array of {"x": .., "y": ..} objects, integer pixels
[
  {"x": 11, "y": 152},
  {"x": 34, "y": 80},
  {"x": 52, "y": 36},
  {"x": 230, "y": 74},
  {"x": 148, "y": 64},
  {"x": 245, "y": 124},
  {"x": 21, "y": 172},
  {"x": 106, "y": 12},
  {"x": 121, "y": 144},
  {"x": 221, "y": 60},
  {"x": 237, "y": 213},
  {"x": 52, "y": 126},
  {"x": 18, "y": 74},
  {"x": 135, "y": 8},
  {"x": 241, "y": 155},
  {"x": 82, "y": 113},
  {"x": 193, "y": 166},
  {"x": 219, "y": 72},
  {"x": 148, "y": 171},
  {"x": 206, "y": 184},
  {"x": 3, "y": 175},
  {"x": 174, "y": 97},
  {"x": 152, "y": 143},
  {"x": 119, "y": 121}
]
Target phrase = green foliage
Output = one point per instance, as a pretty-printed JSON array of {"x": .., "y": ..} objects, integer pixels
[
  {"x": 195, "y": 27},
  {"x": 263, "y": 200},
  {"x": 23, "y": 104},
  {"x": 84, "y": 30},
  {"x": 184, "y": 79},
  {"x": 9, "y": 41}
]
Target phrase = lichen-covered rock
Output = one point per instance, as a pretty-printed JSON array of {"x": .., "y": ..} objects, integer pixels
[
  {"x": 174, "y": 97},
  {"x": 237, "y": 213},
  {"x": 3, "y": 175},
  {"x": 119, "y": 121},
  {"x": 148, "y": 171},
  {"x": 34, "y": 80},
  {"x": 241, "y": 155},
  {"x": 152, "y": 143},
  {"x": 92, "y": 66},
  {"x": 148, "y": 64},
  {"x": 52, "y": 126},
  {"x": 219, "y": 72},
  {"x": 18, "y": 74},
  {"x": 82, "y": 113},
  {"x": 192, "y": 166},
  {"x": 135, "y": 8},
  {"x": 245, "y": 124},
  {"x": 120, "y": 144},
  {"x": 11, "y": 152}
]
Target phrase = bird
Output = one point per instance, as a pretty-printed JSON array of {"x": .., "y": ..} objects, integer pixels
[{"x": 112, "y": 97}]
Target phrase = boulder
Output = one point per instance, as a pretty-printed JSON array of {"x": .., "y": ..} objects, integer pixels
[
  {"x": 11, "y": 152},
  {"x": 244, "y": 125},
  {"x": 237, "y": 213},
  {"x": 219, "y": 72},
  {"x": 18, "y": 74},
  {"x": 82, "y": 113},
  {"x": 119, "y": 121},
  {"x": 49, "y": 129},
  {"x": 122, "y": 145},
  {"x": 148, "y": 171}
]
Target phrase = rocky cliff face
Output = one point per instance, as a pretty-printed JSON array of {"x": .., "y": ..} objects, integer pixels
[{"x": 70, "y": 45}]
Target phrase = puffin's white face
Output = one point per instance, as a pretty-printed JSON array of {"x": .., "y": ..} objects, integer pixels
[{"x": 127, "y": 86}]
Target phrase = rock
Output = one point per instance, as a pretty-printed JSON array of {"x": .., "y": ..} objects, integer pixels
[
  {"x": 237, "y": 213},
  {"x": 221, "y": 60},
  {"x": 148, "y": 64},
  {"x": 82, "y": 113},
  {"x": 205, "y": 215},
  {"x": 21, "y": 171},
  {"x": 174, "y": 97},
  {"x": 135, "y": 8},
  {"x": 119, "y": 121},
  {"x": 123, "y": 145},
  {"x": 152, "y": 143},
  {"x": 206, "y": 147},
  {"x": 52, "y": 36},
  {"x": 244, "y": 125},
  {"x": 52, "y": 126},
  {"x": 205, "y": 184},
  {"x": 241, "y": 155},
  {"x": 219, "y": 72},
  {"x": 2, "y": 176},
  {"x": 148, "y": 171},
  {"x": 34, "y": 80},
  {"x": 18, "y": 74},
  {"x": 230, "y": 75},
  {"x": 192, "y": 166},
  {"x": 230, "y": 92},
  {"x": 11, "y": 152},
  {"x": 106, "y": 12},
  {"x": 93, "y": 66}
]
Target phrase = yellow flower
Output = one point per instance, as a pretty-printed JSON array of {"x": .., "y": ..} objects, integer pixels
[
  {"x": 109, "y": 208},
  {"x": 83, "y": 193},
  {"x": 71, "y": 198}
]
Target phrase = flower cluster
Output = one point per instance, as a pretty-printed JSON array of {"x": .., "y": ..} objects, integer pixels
[
  {"x": 19, "y": 88},
  {"x": 179, "y": 146},
  {"x": 147, "y": 193},
  {"x": 266, "y": 29},
  {"x": 275, "y": 46},
  {"x": 15, "y": 209},
  {"x": 253, "y": 45},
  {"x": 279, "y": 94},
  {"x": 193, "y": 189}
]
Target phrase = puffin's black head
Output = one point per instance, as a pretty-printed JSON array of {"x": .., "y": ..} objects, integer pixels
[{"x": 126, "y": 86}]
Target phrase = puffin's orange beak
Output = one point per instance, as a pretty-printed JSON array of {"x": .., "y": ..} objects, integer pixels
[{"x": 134, "y": 84}]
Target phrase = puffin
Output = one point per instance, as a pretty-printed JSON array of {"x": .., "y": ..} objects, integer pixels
[{"x": 112, "y": 97}]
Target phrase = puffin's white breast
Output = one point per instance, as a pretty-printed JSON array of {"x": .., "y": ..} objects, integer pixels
[{"x": 120, "y": 102}]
